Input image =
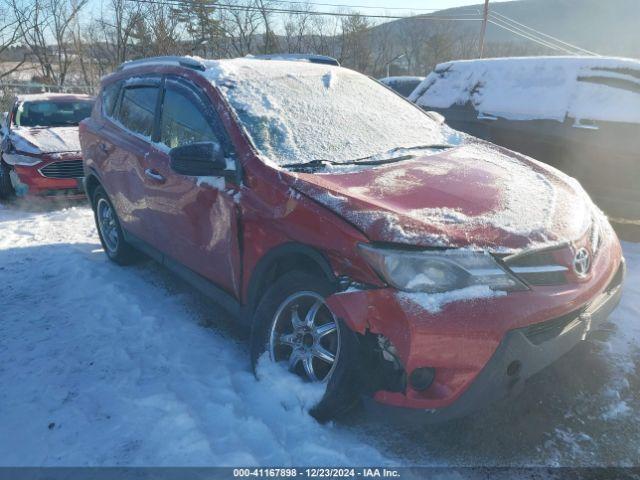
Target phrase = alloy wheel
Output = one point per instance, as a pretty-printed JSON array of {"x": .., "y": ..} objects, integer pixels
[
  {"x": 107, "y": 224},
  {"x": 305, "y": 334}
]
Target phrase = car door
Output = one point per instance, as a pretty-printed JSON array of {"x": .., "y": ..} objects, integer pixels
[
  {"x": 125, "y": 142},
  {"x": 197, "y": 215}
]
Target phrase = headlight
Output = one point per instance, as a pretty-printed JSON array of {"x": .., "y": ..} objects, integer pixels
[
  {"x": 18, "y": 159},
  {"x": 438, "y": 271}
]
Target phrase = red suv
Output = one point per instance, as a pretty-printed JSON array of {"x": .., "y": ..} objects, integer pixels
[
  {"x": 40, "y": 150},
  {"x": 368, "y": 246}
]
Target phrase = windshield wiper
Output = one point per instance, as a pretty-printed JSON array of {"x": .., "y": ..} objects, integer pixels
[
  {"x": 434, "y": 146},
  {"x": 382, "y": 161},
  {"x": 314, "y": 165},
  {"x": 367, "y": 161},
  {"x": 317, "y": 164}
]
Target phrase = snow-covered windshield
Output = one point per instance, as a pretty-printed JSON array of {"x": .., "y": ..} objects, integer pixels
[
  {"x": 52, "y": 113},
  {"x": 297, "y": 112}
]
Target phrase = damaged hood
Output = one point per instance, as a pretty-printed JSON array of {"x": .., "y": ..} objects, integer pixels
[
  {"x": 46, "y": 140},
  {"x": 472, "y": 195}
]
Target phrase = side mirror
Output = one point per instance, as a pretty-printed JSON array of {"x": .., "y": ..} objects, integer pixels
[{"x": 202, "y": 159}]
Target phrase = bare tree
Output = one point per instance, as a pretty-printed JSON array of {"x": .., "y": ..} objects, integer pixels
[
  {"x": 46, "y": 28},
  {"x": 355, "y": 46},
  {"x": 112, "y": 33},
  {"x": 270, "y": 42},
  {"x": 297, "y": 29},
  {"x": 202, "y": 26},
  {"x": 383, "y": 49},
  {"x": 158, "y": 31},
  {"x": 325, "y": 36},
  {"x": 240, "y": 27},
  {"x": 10, "y": 36}
]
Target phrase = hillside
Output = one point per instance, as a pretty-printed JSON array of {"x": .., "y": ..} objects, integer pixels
[{"x": 607, "y": 27}]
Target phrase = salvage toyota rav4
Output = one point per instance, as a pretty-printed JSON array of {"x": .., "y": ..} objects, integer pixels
[{"x": 369, "y": 246}]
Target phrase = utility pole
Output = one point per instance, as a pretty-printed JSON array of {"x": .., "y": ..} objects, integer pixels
[{"x": 485, "y": 17}]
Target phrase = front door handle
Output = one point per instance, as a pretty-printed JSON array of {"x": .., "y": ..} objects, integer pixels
[
  {"x": 154, "y": 175},
  {"x": 103, "y": 148}
]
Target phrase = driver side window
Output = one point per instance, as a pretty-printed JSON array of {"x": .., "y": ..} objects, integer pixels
[{"x": 183, "y": 121}]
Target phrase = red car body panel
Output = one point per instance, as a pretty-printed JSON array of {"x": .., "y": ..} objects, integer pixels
[
  {"x": 224, "y": 233},
  {"x": 471, "y": 187}
]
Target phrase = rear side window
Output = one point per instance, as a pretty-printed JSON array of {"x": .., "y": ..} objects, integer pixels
[
  {"x": 137, "y": 109},
  {"x": 183, "y": 120},
  {"x": 110, "y": 97}
]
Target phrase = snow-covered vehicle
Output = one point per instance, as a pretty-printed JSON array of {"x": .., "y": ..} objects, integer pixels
[
  {"x": 367, "y": 245},
  {"x": 403, "y": 85},
  {"x": 40, "y": 149},
  {"x": 579, "y": 114}
]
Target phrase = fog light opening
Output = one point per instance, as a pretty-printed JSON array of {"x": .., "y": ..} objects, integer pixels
[
  {"x": 514, "y": 368},
  {"x": 422, "y": 378}
]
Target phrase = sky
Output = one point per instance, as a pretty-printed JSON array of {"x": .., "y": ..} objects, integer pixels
[
  {"x": 372, "y": 7},
  {"x": 379, "y": 6}
]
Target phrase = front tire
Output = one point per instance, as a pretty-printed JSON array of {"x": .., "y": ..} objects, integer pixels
[
  {"x": 6, "y": 187},
  {"x": 295, "y": 326},
  {"x": 110, "y": 231}
]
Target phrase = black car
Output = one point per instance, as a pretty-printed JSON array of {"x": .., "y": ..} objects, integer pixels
[{"x": 579, "y": 114}]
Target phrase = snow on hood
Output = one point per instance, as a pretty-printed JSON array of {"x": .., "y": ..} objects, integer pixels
[
  {"x": 473, "y": 195},
  {"x": 529, "y": 88},
  {"x": 45, "y": 140}
]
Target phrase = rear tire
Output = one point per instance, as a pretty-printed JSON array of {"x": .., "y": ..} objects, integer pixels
[
  {"x": 6, "y": 187},
  {"x": 110, "y": 231},
  {"x": 288, "y": 300}
]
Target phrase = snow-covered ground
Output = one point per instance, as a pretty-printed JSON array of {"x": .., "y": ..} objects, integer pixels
[{"x": 103, "y": 365}]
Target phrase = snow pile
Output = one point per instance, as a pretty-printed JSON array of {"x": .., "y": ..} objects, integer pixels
[
  {"x": 290, "y": 390},
  {"x": 296, "y": 111},
  {"x": 103, "y": 365},
  {"x": 525, "y": 88}
]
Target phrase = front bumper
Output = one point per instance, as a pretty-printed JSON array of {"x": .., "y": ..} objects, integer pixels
[
  {"x": 29, "y": 180},
  {"x": 484, "y": 349},
  {"x": 525, "y": 351}
]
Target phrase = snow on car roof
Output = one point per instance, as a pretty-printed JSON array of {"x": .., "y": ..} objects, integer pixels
[
  {"x": 528, "y": 88},
  {"x": 301, "y": 111}
]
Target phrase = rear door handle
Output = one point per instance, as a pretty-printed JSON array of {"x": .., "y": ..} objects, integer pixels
[{"x": 154, "y": 175}]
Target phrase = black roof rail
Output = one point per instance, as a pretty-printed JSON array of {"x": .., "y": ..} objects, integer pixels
[
  {"x": 299, "y": 57},
  {"x": 187, "y": 62}
]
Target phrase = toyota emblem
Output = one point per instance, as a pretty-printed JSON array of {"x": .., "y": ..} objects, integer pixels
[{"x": 582, "y": 262}]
